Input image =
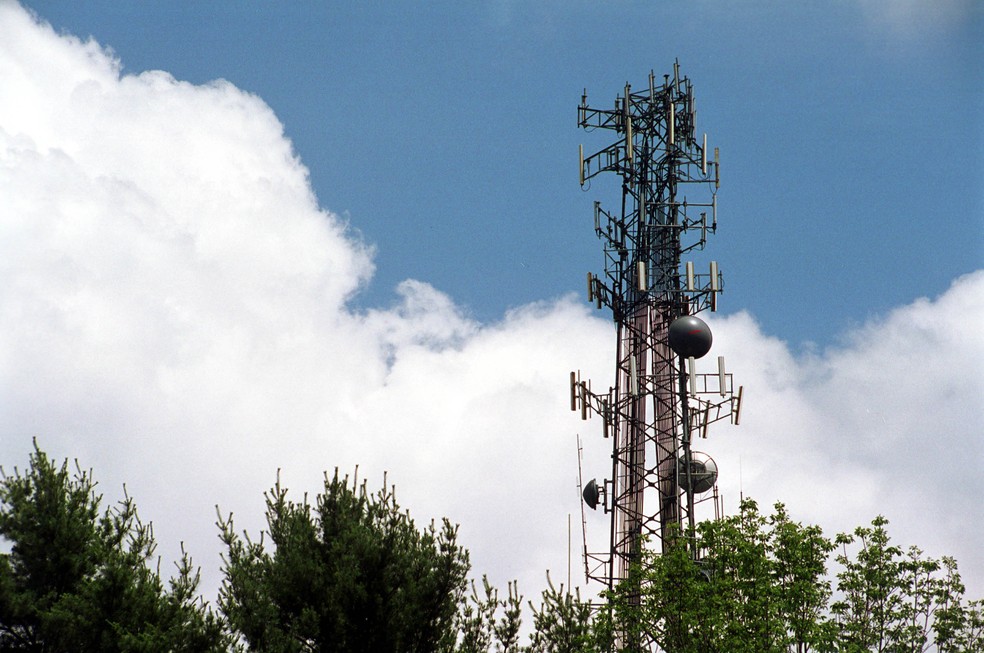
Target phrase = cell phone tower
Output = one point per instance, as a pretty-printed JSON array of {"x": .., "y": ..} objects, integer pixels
[{"x": 660, "y": 403}]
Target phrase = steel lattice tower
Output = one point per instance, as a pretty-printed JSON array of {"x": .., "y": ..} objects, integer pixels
[{"x": 659, "y": 403}]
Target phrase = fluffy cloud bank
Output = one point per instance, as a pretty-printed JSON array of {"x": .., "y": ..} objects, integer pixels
[
  {"x": 889, "y": 422},
  {"x": 174, "y": 313}
]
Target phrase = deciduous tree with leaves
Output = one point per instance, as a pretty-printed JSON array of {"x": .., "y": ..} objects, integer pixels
[
  {"x": 760, "y": 584},
  {"x": 895, "y": 601},
  {"x": 757, "y": 585}
]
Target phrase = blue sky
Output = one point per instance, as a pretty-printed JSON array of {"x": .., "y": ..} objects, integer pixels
[
  {"x": 368, "y": 247},
  {"x": 852, "y": 134}
]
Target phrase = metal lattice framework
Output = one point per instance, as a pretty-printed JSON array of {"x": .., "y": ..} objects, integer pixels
[{"x": 659, "y": 403}]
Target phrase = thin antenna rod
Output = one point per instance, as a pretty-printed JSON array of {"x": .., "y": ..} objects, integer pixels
[
  {"x": 741, "y": 482},
  {"x": 568, "y": 551}
]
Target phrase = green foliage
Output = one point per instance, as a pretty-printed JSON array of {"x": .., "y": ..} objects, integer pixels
[
  {"x": 477, "y": 618},
  {"x": 761, "y": 585},
  {"x": 351, "y": 573},
  {"x": 78, "y": 580},
  {"x": 564, "y": 624},
  {"x": 969, "y": 636},
  {"x": 870, "y": 610},
  {"x": 895, "y": 601},
  {"x": 480, "y": 625},
  {"x": 758, "y": 587}
]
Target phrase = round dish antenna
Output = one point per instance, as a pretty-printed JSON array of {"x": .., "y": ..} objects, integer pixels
[
  {"x": 703, "y": 472},
  {"x": 591, "y": 493}
]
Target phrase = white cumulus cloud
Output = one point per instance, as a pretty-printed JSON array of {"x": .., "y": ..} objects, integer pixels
[{"x": 889, "y": 422}]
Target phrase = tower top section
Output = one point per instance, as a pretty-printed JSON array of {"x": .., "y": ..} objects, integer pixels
[
  {"x": 669, "y": 199},
  {"x": 659, "y": 125}
]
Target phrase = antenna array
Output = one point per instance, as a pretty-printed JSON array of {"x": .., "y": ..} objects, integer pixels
[{"x": 659, "y": 403}]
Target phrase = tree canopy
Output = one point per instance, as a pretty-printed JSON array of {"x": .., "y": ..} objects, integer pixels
[
  {"x": 77, "y": 577},
  {"x": 761, "y": 584},
  {"x": 351, "y": 571}
]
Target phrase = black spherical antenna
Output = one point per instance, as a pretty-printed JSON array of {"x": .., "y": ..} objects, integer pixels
[{"x": 690, "y": 336}]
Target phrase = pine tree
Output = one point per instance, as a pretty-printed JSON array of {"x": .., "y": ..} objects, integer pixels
[
  {"x": 351, "y": 573},
  {"x": 78, "y": 579}
]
